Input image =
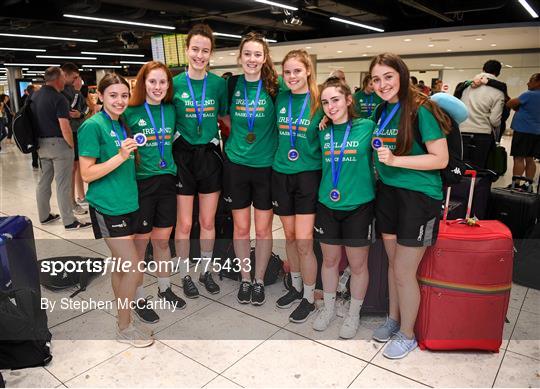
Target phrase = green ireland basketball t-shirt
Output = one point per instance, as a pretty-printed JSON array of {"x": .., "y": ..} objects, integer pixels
[
  {"x": 365, "y": 104},
  {"x": 261, "y": 152},
  {"x": 356, "y": 181},
  {"x": 307, "y": 140},
  {"x": 215, "y": 104},
  {"x": 424, "y": 181},
  {"x": 139, "y": 122},
  {"x": 116, "y": 193}
]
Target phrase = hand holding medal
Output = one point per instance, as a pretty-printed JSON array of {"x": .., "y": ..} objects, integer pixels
[
  {"x": 127, "y": 146},
  {"x": 385, "y": 156}
]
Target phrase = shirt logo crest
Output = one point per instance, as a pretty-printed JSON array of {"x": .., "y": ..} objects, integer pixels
[
  {"x": 237, "y": 94},
  {"x": 185, "y": 95},
  {"x": 142, "y": 122},
  {"x": 113, "y": 133},
  {"x": 327, "y": 136},
  {"x": 283, "y": 110}
]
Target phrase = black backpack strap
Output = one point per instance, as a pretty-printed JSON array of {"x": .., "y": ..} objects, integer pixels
[{"x": 231, "y": 86}]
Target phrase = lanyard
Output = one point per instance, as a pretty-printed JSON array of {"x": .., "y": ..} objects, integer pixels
[
  {"x": 385, "y": 120},
  {"x": 370, "y": 104},
  {"x": 251, "y": 113},
  {"x": 114, "y": 128},
  {"x": 160, "y": 139},
  {"x": 293, "y": 138},
  {"x": 336, "y": 172},
  {"x": 198, "y": 111}
]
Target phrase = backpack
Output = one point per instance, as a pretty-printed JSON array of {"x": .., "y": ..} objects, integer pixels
[
  {"x": 69, "y": 277},
  {"x": 25, "y": 131},
  {"x": 453, "y": 172}
]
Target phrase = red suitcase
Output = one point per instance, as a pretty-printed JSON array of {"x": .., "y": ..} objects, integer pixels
[{"x": 465, "y": 281}]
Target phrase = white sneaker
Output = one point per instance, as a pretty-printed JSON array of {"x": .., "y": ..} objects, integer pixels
[
  {"x": 133, "y": 336},
  {"x": 323, "y": 319},
  {"x": 349, "y": 327},
  {"x": 139, "y": 326}
]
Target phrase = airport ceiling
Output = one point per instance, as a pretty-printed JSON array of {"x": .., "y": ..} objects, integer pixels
[{"x": 310, "y": 21}]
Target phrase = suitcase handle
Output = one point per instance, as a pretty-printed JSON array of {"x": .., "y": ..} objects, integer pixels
[{"x": 471, "y": 173}]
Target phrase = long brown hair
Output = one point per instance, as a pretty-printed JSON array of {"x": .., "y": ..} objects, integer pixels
[
  {"x": 345, "y": 90},
  {"x": 202, "y": 30},
  {"x": 112, "y": 79},
  {"x": 268, "y": 71},
  {"x": 410, "y": 100},
  {"x": 303, "y": 56},
  {"x": 138, "y": 94}
]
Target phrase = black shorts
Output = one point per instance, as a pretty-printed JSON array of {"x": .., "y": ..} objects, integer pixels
[
  {"x": 412, "y": 216},
  {"x": 244, "y": 185},
  {"x": 295, "y": 194},
  {"x": 200, "y": 167},
  {"x": 75, "y": 147},
  {"x": 525, "y": 145},
  {"x": 157, "y": 203},
  {"x": 345, "y": 228},
  {"x": 107, "y": 226}
]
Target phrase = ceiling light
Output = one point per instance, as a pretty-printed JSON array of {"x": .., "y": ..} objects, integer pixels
[
  {"x": 119, "y": 21},
  {"x": 369, "y": 46},
  {"x": 31, "y": 64},
  {"x": 103, "y": 66},
  {"x": 508, "y": 66},
  {"x": 407, "y": 40},
  {"x": 270, "y": 40},
  {"x": 449, "y": 67},
  {"x": 49, "y": 37},
  {"x": 65, "y": 57},
  {"x": 356, "y": 24},
  {"x": 431, "y": 45},
  {"x": 493, "y": 45},
  {"x": 277, "y": 4},
  {"x": 479, "y": 39},
  {"x": 111, "y": 54},
  {"x": 340, "y": 51},
  {"x": 529, "y": 9},
  {"x": 448, "y": 50},
  {"x": 22, "y": 49},
  {"x": 227, "y": 35},
  {"x": 220, "y": 58},
  {"x": 133, "y": 62},
  {"x": 308, "y": 47},
  {"x": 232, "y": 53},
  {"x": 436, "y": 64},
  {"x": 364, "y": 55}
]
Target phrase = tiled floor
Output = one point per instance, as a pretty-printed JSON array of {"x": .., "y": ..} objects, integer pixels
[{"x": 215, "y": 342}]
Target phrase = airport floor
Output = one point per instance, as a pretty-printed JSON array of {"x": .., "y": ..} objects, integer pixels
[{"x": 216, "y": 342}]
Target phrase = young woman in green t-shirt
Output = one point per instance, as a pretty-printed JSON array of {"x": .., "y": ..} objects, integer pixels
[
  {"x": 366, "y": 99},
  {"x": 296, "y": 174},
  {"x": 107, "y": 164},
  {"x": 249, "y": 156},
  {"x": 345, "y": 209},
  {"x": 409, "y": 191},
  {"x": 151, "y": 116},
  {"x": 200, "y": 98}
]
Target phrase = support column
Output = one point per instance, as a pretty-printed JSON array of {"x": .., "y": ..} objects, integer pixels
[{"x": 13, "y": 72}]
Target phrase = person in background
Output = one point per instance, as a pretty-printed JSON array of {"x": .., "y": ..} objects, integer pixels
[
  {"x": 366, "y": 99},
  {"x": 526, "y": 126},
  {"x": 50, "y": 111},
  {"x": 414, "y": 81},
  {"x": 481, "y": 129},
  {"x": 338, "y": 73},
  {"x": 437, "y": 87},
  {"x": 28, "y": 91},
  {"x": 8, "y": 116},
  {"x": 423, "y": 87}
]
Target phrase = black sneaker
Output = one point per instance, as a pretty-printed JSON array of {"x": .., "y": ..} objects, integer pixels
[
  {"x": 257, "y": 294},
  {"x": 169, "y": 296},
  {"x": 208, "y": 282},
  {"x": 51, "y": 218},
  {"x": 244, "y": 293},
  {"x": 145, "y": 313},
  {"x": 302, "y": 311},
  {"x": 289, "y": 299},
  {"x": 190, "y": 290},
  {"x": 77, "y": 225}
]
